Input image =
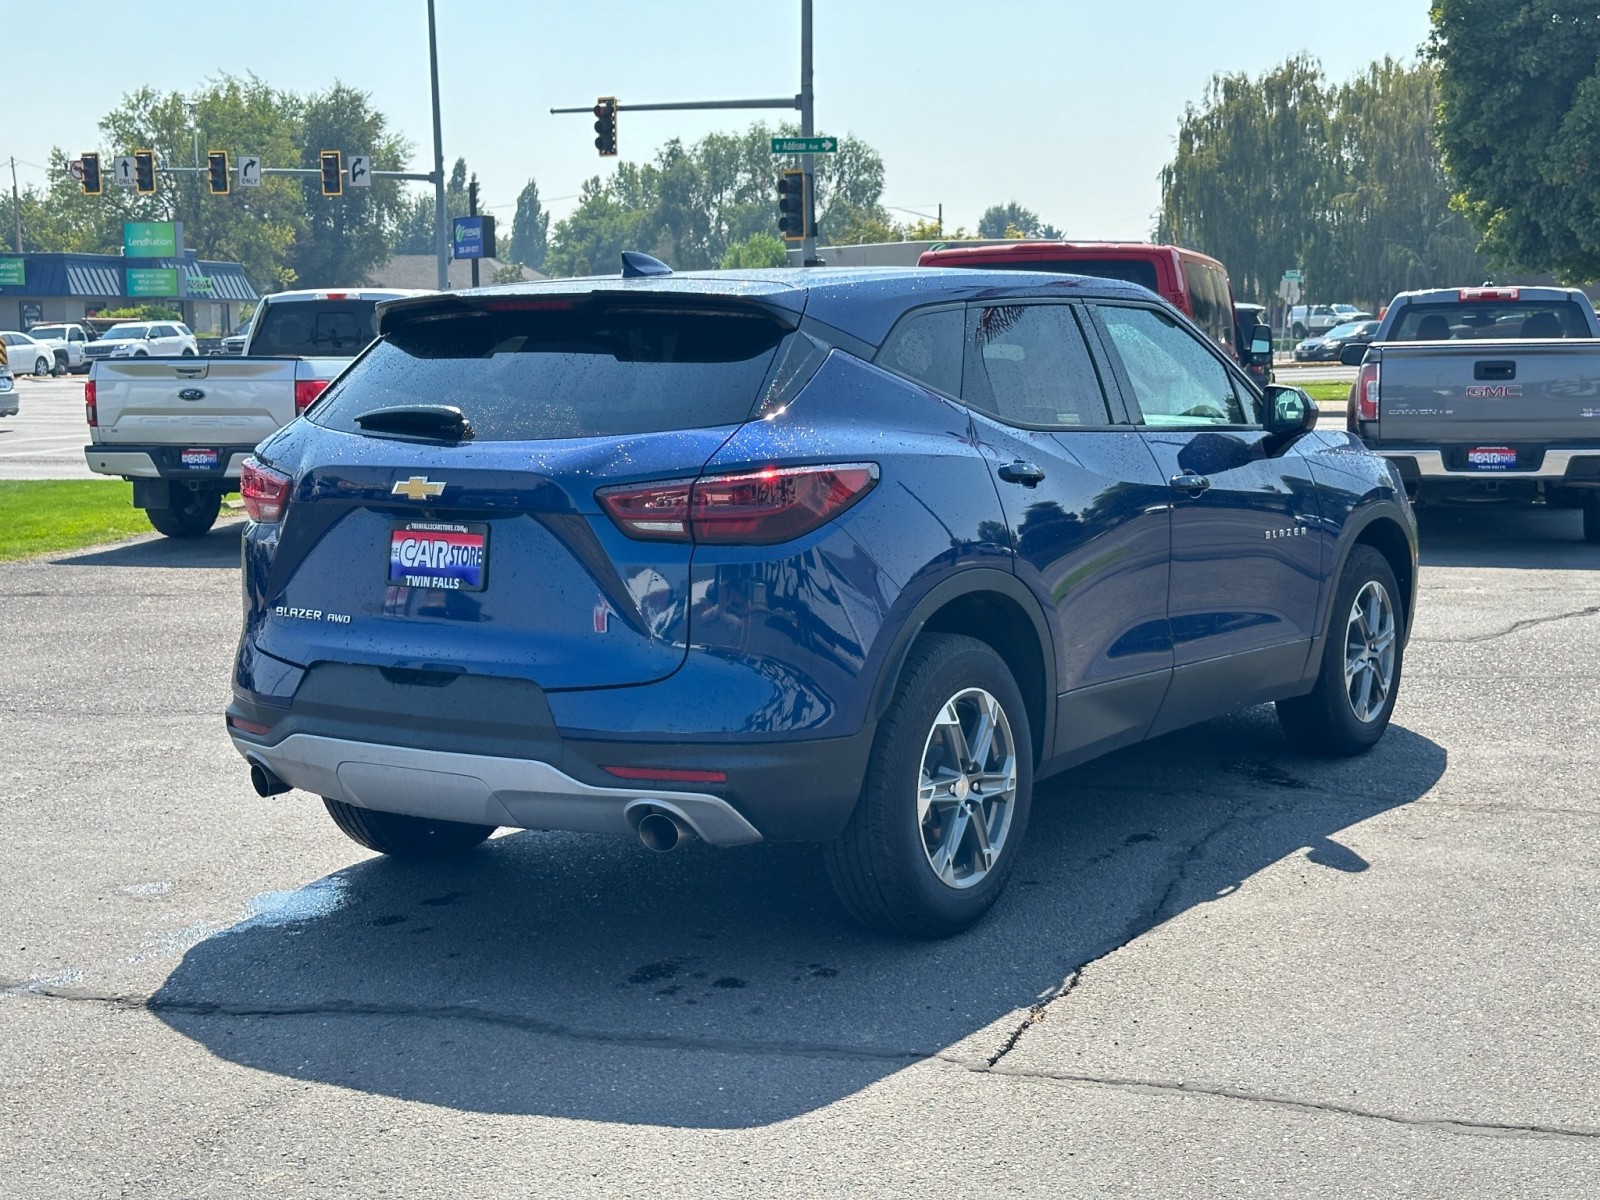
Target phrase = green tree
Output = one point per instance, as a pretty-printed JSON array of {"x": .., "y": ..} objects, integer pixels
[
  {"x": 1009, "y": 220},
  {"x": 1519, "y": 121},
  {"x": 344, "y": 237},
  {"x": 412, "y": 232},
  {"x": 530, "y": 229},
  {"x": 757, "y": 250}
]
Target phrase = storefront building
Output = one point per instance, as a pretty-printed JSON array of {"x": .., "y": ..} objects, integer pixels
[{"x": 47, "y": 288}]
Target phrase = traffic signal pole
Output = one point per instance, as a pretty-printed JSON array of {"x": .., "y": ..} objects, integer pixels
[{"x": 803, "y": 100}]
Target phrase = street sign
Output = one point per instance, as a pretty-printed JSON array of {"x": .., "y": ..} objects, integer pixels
[
  {"x": 123, "y": 174},
  {"x": 249, "y": 170},
  {"x": 804, "y": 145},
  {"x": 1289, "y": 291},
  {"x": 361, "y": 170},
  {"x": 1294, "y": 276}
]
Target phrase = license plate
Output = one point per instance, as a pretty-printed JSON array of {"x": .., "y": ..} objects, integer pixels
[
  {"x": 198, "y": 460},
  {"x": 1491, "y": 458},
  {"x": 439, "y": 554}
]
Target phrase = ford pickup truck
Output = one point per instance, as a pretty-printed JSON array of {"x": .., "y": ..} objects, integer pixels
[
  {"x": 179, "y": 428},
  {"x": 1486, "y": 394}
]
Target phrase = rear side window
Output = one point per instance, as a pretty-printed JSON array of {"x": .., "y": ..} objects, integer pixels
[
  {"x": 315, "y": 328},
  {"x": 1501, "y": 319},
  {"x": 926, "y": 346},
  {"x": 534, "y": 376},
  {"x": 1208, "y": 296},
  {"x": 1129, "y": 270},
  {"x": 1027, "y": 364}
]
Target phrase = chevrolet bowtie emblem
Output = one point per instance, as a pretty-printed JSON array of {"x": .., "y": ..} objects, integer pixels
[{"x": 417, "y": 488}]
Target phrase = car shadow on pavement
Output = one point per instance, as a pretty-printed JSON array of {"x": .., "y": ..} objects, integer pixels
[
  {"x": 584, "y": 977},
  {"x": 219, "y": 548},
  {"x": 1494, "y": 535}
]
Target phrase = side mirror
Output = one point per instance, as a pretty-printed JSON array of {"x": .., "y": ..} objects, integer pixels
[
  {"x": 1261, "y": 343},
  {"x": 1352, "y": 353},
  {"x": 1290, "y": 411}
]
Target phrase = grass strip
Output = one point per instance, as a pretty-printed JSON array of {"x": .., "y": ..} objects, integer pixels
[
  {"x": 38, "y": 516},
  {"x": 1327, "y": 395}
]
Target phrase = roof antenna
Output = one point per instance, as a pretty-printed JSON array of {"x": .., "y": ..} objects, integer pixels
[{"x": 636, "y": 265}]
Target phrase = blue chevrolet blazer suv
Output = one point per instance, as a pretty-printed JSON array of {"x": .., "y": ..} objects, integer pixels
[{"x": 844, "y": 556}]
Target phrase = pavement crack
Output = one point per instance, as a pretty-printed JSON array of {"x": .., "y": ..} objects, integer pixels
[
  {"x": 1455, "y": 1125},
  {"x": 159, "y": 1007},
  {"x": 1035, "y": 1015},
  {"x": 1515, "y": 626}
]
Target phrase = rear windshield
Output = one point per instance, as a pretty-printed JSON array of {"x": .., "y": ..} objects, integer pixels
[
  {"x": 316, "y": 328},
  {"x": 534, "y": 376},
  {"x": 1127, "y": 270},
  {"x": 1490, "y": 319}
]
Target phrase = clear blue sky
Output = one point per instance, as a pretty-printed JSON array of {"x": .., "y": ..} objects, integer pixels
[{"x": 1067, "y": 106}]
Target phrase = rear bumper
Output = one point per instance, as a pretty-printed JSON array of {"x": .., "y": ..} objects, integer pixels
[
  {"x": 163, "y": 462},
  {"x": 483, "y": 790},
  {"x": 1577, "y": 468}
]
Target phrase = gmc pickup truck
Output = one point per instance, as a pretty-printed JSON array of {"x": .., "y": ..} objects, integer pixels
[
  {"x": 1486, "y": 394},
  {"x": 178, "y": 428}
]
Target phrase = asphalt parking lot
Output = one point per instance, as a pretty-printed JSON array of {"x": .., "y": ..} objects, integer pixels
[
  {"x": 1221, "y": 968},
  {"x": 45, "y": 440}
]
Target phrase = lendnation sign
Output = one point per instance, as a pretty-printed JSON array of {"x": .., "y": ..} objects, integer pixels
[
  {"x": 152, "y": 239},
  {"x": 13, "y": 272},
  {"x": 804, "y": 145}
]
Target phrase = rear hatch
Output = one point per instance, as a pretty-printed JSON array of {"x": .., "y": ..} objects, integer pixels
[
  {"x": 237, "y": 402},
  {"x": 417, "y": 547},
  {"x": 1492, "y": 395}
]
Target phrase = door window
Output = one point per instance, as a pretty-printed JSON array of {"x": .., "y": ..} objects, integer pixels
[
  {"x": 164, "y": 331},
  {"x": 926, "y": 346},
  {"x": 1027, "y": 364},
  {"x": 1176, "y": 380}
]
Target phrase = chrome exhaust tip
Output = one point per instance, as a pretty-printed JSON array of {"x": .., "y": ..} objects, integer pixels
[{"x": 661, "y": 833}]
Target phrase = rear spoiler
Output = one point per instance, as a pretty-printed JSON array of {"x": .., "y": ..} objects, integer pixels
[{"x": 393, "y": 314}]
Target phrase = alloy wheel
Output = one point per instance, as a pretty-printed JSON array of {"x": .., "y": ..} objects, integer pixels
[
  {"x": 968, "y": 787},
  {"x": 1369, "y": 651}
]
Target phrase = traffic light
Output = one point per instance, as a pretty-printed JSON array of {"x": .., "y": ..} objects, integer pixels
[
  {"x": 217, "y": 168},
  {"x": 144, "y": 171},
  {"x": 332, "y": 173},
  {"x": 91, "y": 173},
  {"x": 792, "y": 205},
  {"x": 605, "y": 126}
]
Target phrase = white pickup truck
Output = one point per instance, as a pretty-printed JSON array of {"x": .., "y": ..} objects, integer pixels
[{"x": 179, "y": 428}]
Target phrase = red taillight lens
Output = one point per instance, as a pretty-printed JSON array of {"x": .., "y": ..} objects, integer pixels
[
  {"x": 306, "y": 392},
  {"x": 755, "y": 508},
  {"x": 1489, "y": 293},
  {"x": 89, "y": 409},
  {"x": 668, "y": 774},
  {"x": 1367, "y": 392},
  {"x": 264, "y": 490}
]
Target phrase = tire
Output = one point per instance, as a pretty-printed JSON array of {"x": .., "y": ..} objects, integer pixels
[
  {"x": 192, "y": 513},
  {"x": 1299, "y": 331},
  {"x": 42, "y": 367},
  {"x": 1342, "y": 716},
  {"x": 412, "y": 839},
  {"x": 882, "y": 866},
  {"x": 1591, "y": 517},
  {"x": 187, "y": 354},
  {"x": 140, "y": 354}
]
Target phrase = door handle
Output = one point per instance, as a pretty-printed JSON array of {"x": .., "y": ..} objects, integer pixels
[
  {"x": 1190, "y": 482},
  {"x": 1025, "y": 473}
]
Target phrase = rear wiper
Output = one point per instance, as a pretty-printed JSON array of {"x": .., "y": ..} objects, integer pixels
[{"x": 443, "y": 421}]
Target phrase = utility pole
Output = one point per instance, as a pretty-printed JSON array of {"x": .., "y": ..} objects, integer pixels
[
  {"x": 439, "y": 238},
  {"x": 16, "y": 203},
  {"x": 472, "y": 210}
]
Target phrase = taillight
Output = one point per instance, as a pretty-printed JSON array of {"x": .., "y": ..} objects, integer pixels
[
  {"x": 1489, "y": 293},
  {"x": 1367, "y": 392},
  {"x": 264, "y": 490},
  {"x": 89, "y": 409},
  {"x": 306, "y": 392},
  {"x": 753, "y": 508}
]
